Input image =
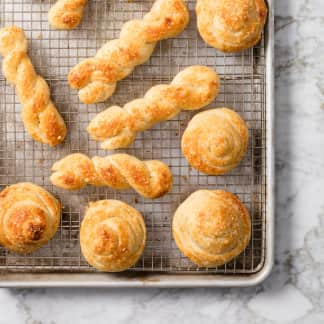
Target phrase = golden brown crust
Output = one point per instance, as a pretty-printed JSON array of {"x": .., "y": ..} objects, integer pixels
[
  {"x": 29, "y": 217},
  {"x": 215, "y": 141},
  {"x": 211, "y": 227},
  {"x": 66, "y": 14},
  {"x": 194, "y": 87},
  {"x": 231, "y": 25},
  {"x": 96, "y": 77},
  {"x": 112, "y": 235},
  {"x": 41, "y": 118},
  {"x": 150, "y": 179}
]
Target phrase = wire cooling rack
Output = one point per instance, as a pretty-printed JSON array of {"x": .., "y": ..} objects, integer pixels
[{"x": 22, "y": 159}]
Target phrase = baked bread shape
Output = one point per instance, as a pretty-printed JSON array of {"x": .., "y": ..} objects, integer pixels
[
  {"x": 151, "y": 179},
  {"x": 66, "y": 14},
  {"x": 29, "y": 217},
  {"x": 211, "y": 227},
  {"x": 191, "y": 89},
  {"x": 96, "y": 78},
  {"x": 39, "y": 114},
  {"x": 231, "y": 25},
  {"x": 112, "y": 235},
  {"x": 215, "y": 141}
]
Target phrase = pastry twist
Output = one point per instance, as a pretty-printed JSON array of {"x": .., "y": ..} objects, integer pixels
[
  {"x": 192, "y": 88},
  {"x": 150, "y": 179},
  {"x": 211, "y": 227},
  {"x": 66, "y": 14},
  {"x": 40, "y": 117},
  {"x": 29, "y": 217},
  {"x": 96, "y": 77},
  {"x": 112, "y": 235},
  {"x": 231, "y": 25},
  {"x": 215, "y": 141}
]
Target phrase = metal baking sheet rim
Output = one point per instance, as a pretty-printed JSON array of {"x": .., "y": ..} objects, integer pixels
[{"x": 181, "y": 280}]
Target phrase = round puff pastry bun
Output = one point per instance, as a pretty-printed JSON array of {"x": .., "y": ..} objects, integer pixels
[
  {"x": 112, "y": 235},
  {"x": 29, "y": 217},
  {"x": 211, "y": 227},
  {"x": 215, "y": 141},
  {"x": 231, "y": 25}
]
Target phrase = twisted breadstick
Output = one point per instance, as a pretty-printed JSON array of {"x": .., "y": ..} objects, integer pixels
[
  {"x": 191, "y": 89},
  {"x": 150, "y": 179},
  {"x": 41, "y": 119},
  {"x": 66, "y": 14},
  {"x": 96, "y": 77}
]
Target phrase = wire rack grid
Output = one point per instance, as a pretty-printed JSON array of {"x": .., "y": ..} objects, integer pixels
[{"x": 53, "y": 53}]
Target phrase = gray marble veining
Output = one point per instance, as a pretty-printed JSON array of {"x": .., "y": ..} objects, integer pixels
[{"x": 295, "y": 289}]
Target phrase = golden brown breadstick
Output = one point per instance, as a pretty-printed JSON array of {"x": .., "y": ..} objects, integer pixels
[
  {"x": 192, "y": 88},
  {"x": 41, "y": 119},
  {"x": 66, "y": 14},
  {"x": 96, "y": 77},
  {"x": 150, "y": 179}
]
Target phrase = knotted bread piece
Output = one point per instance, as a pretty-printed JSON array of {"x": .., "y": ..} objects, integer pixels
[
  {"x": 191, "y": 89},
  {"x": 211, "y": 227},
  {"x": 41, "y": 118},
  {"x": 66, "y": 14},
  {"x": 96, "y": 77},
  {"x": 150, "y": 179},
  {"x": 231, "y": 25},
  {"x": 112, "y": 235},
  {"x": 29, "y": 217},
  {"x": 215, "y": 141}
]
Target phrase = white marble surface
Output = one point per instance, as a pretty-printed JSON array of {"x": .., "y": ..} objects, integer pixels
[{"x": 294, "y": 291}]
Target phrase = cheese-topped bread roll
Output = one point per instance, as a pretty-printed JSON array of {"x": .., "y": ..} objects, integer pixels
[
  {"x": 29, "y": 217},
  {"x": 112, "y": 235},
  {"x": 215, "y": 141},
  {"x": 211, "y": 227},
  {"x": 231, "y": 25}
]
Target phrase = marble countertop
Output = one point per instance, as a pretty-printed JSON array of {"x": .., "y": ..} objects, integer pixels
[{"x": 294, "y": 292}]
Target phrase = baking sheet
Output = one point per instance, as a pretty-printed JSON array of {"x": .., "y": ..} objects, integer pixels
[{"x": 243, "y": 88}]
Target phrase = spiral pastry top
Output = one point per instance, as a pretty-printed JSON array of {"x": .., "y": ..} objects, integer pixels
[
  {"x": 29, "y": 217},
  {"x": 112, "y": 235},
  {"x": 40, "y": 117},
  {"x": 151, "y": 179},
  {"x": 211, "y": 227},
  {"x": 215, "y": 141},
  {"x": 192, "y": 88},
  {"x": 96, "y": 77},
  {"x": 231, "y": 25},
  {"x": 66, "y": 14}
]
